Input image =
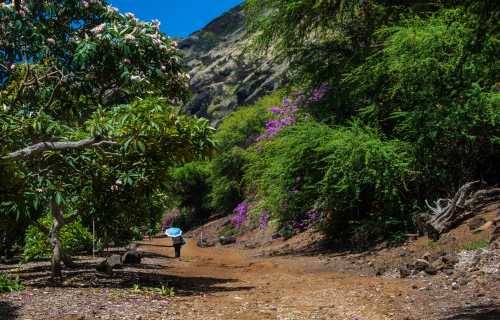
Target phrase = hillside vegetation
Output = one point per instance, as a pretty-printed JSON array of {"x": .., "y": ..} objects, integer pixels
[{"x": 392, "y": 103}]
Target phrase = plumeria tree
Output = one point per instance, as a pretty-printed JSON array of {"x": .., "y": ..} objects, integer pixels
[{"x": 88, "y": 123}]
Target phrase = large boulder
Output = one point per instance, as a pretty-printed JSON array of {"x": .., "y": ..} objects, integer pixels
[
  {"x": 205, "y": 243},
  {"x": 132, "y": 257},
  {"x": 107, "y": 265},
  {"x": 424, "y": 265},
  {"x": 227, "y": 240}
]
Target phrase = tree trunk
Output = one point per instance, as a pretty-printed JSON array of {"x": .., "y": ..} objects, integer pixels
[{"x": 58, "y": 254}]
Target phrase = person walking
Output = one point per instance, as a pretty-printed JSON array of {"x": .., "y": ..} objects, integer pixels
[
  {"x": 178, "y": 242},
  {"x": 177, "y": 239}
]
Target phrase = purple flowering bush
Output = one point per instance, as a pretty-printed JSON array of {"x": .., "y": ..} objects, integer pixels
[
  {"x": 264, "y": 220},
  {"x": 287, "y": 114},
  {"x": 334, "y": 170},
  {"x": 241, "y": 215}
]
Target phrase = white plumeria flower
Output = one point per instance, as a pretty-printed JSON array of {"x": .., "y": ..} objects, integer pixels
[
  {"x": 129, "y": 37},
  {"x": 130, "y": 15},
  {"x": 118, "y": 182},
  {"x": 98, "y": 29},
  {"x": 51, "y": 41},
  {"x": 156, "y": 24}
]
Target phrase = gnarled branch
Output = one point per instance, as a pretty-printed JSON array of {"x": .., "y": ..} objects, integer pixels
[
  {"x": 448, "y": 213},
  {"x": 32, "y": 150}
]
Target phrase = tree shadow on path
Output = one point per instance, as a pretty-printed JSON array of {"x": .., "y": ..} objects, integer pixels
[
  {"x": 146, "y": 276},
  {"x": 477, "y": 312},
  {"x": 8, "y": 311}
]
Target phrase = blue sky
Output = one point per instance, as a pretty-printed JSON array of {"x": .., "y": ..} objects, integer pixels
[{"x": 178, "y": 17}]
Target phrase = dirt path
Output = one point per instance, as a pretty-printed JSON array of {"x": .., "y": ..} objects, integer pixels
[
  {"x": 246, "y": 287},
  {"x": 235, "y": 284}
]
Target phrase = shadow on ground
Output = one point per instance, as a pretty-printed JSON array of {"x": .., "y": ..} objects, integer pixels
[
  {"x": 144, "y": 275},
  {"x": 8, "y": 311},
  {"x": 477, "y": 312}
]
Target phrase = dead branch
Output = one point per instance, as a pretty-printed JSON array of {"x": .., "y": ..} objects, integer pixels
[{"x": 448, "y": 213}]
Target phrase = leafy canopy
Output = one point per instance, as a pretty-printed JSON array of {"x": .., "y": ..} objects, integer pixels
[{"x": 88, "y": 98}]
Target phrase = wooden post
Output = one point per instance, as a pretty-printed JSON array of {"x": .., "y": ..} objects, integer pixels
[{"x": 93, "y": 237}]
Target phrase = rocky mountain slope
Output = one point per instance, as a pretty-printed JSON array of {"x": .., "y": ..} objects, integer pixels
[{"x": 224, "y": 73}]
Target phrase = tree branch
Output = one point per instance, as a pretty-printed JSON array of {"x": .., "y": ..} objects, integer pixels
[
  {"x": 54, "y": 92},
  {"x": 30, "y": 151}
]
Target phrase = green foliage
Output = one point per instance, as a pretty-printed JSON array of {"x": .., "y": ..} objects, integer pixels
[
  {"x": 322, "y": 39},
  {"x": 476, "y": 245},
  {"x": 428, "y": 87},
  {"x": 225, "y": 180},
  {"x": 189, "y": 189},
  {"x": 351, "y": 174},
  {"x": 163, "y": 291},
  {"x": 9, "y": 285},
  {"x": 243, "y": 126},
  {"x": 76, "y": 71},
  {"x": 229, "y": 231},
  {"x": 422, "y": 74},
  {"x": 74, "y": 237},
  {"x": 366, "y": 179},
  {"x": 238, "y": 131},
  {"x": 284, "y": 172}
]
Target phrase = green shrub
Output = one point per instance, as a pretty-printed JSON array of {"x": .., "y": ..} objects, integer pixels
[
  {"x": 475, "y": 245},
  {"x": 284, "y": 172},
  {"x": 8, "y": 284},
  {"x": 75, "y": 238},
  {"x": 229, "y": 231},
  {"x": 433, "y": 83},
  {"x": 351, "y": 174},
  {"x": 190, "y": 188},
  {"x": 366, "y": 181},
  {"x": 244, "y": 125},
  {"x": 225, "y": 180},
  {"x": 237, "y": 132}
]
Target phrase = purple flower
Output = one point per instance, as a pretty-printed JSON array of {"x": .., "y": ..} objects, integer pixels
[
  {"x": 313, "y": 216},
  {"x": 263, "y": 220},
  {"x": 277, "y": 110},
  {"x": 286, "y": 114},
  {"x": 239, "y": 219},
  {"x": 318, "y": 94}
]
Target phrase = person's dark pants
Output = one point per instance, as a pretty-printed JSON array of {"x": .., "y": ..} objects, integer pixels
[{"x": 177, "y": 248}]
